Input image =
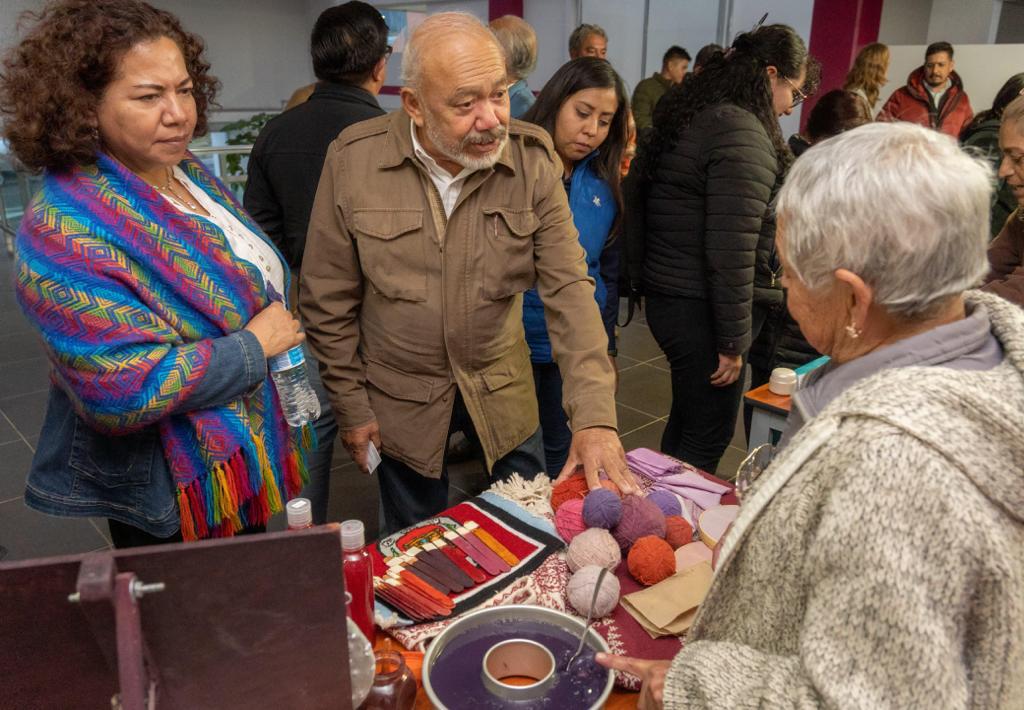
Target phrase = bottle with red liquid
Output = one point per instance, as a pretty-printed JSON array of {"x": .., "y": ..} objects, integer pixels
[{"x": 358, "y": 575}]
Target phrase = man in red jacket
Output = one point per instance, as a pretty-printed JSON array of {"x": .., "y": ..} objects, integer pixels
[{"x": 933, "y": 96}]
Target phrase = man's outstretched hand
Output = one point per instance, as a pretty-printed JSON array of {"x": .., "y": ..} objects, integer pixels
[{"x": 598, "y": 450}]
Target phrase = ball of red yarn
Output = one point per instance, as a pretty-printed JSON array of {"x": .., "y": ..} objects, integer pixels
[
  {"x": 570, "y": 489},
  {"x": 569, "y": 519},
  {"x": 640, "y": 517},
  {"x": 651, "y": 560},
  {"x": 678, "y": 531}
]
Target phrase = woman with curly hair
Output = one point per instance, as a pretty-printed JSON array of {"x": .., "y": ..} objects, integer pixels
[
  {"x": 867, "y": 76},
  {"x": 157, "y": 298},
  {"x": 709, "y": 171}
]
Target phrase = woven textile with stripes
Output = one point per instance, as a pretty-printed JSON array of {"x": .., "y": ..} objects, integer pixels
[{"x": 129, "y": 294}]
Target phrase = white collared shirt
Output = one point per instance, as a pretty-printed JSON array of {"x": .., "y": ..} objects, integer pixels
[{"x": 448, "y": 186}]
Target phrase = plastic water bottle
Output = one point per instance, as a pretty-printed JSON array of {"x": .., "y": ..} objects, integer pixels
[{"x": 298, "y": 400}]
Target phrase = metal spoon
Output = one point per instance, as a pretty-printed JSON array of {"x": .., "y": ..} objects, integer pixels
[{"x": 590, "y": 617}]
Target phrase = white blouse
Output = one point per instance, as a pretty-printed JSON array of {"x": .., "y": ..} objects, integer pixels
[{"x": 243, "y": 242}]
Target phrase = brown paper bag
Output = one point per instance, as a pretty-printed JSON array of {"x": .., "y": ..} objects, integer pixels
[{"x": 669, "y": 607}]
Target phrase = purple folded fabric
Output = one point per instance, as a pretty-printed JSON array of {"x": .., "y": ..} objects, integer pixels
[
  {"x": 689, "y": 479},
  {"x": 651, "y": 463},
  {"x": 692, "y": 486}
]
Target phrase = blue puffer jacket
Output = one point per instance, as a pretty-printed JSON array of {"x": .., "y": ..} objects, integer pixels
[{"x": 593, "y": 212}]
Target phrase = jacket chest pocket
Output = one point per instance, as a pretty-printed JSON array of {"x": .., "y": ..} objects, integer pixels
[
  {"x": 508, "y": 251},
  {"x": 392, "y": 251}
]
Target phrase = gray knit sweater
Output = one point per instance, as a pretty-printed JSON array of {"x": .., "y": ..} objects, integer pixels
[{"x": 879, "y": 562}]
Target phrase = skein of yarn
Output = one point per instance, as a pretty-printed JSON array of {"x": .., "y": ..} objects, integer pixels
[
  {"x": 602, "y": 509},
  {"x": 651, "y": 560},
  {"x": 570, "y": 489},
  {"x": 668, "y": 502},
  {"x": 569, "y": 519},
  {"x": 580, "y": 591},
  {"x": 640, "y": 517},
  {"x": 678, "y": 531},
  {"x": 593, "y": 547}
]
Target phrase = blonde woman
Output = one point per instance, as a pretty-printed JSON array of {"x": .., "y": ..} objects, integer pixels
[{"x": 867, "y": 76}]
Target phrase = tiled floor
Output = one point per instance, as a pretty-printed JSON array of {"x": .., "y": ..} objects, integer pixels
[{"x": 643, "y": 403}]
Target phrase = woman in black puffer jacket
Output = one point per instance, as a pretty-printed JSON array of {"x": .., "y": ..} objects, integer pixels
[{"x": 709, "y": 172}]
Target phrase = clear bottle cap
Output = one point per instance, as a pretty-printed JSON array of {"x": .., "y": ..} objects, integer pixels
[
  {"x": 300, "y": 513},
  {"x": 353, "y": 535}
]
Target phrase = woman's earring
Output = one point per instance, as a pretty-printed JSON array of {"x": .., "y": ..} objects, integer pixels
[{"x": 853, "y": 331}]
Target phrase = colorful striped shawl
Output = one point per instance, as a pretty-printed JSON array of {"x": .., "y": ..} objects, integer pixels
[{"x": 129, "y": 294}]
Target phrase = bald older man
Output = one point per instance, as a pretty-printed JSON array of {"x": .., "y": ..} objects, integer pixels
[{"x": 428, "y": 226}]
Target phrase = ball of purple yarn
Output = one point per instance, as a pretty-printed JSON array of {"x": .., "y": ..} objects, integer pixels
[
  {"x": 602, "y": 509},
  {"x": 668, "y": 503},
  {"x": 640, "y": 517}
]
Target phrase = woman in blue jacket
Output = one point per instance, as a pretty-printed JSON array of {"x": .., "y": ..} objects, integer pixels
[{"x": 584, "y": 107}]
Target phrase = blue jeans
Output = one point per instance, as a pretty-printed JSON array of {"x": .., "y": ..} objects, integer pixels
[
  {"x": 408, "y": 497},
  {"x": 318, "y": 461},
  {"x": 554, "y": 422}
]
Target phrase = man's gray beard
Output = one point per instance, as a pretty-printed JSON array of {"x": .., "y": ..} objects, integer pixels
[{"x": 455, "y": 152}]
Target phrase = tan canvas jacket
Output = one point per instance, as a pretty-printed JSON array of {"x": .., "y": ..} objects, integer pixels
[{"x": 401, "y": 305}]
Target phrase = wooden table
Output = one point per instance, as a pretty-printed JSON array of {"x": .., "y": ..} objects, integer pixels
[
  {"x": 619, "y": 699},
  {"x": 768, "y": 420}
]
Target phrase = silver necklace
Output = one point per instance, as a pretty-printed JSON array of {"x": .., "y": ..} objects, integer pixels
[{"x": 168, "y": 189}]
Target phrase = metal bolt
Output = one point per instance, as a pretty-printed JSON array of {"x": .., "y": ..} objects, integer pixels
[{"x": 140, "y": 589}]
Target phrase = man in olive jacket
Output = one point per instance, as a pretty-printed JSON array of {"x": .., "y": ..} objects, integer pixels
[
  {"x": 649, "y": 91},
  {"x": 428, "y": 226}
]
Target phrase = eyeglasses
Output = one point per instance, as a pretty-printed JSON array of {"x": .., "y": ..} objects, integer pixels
[
  {"x": 798, "y": 96},
  {"x": 388, "y": 51}
]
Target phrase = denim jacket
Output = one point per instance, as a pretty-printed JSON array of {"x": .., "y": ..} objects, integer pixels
[
  {"x": 78, "y": 471},
  {"x": 593, "y": 214}
]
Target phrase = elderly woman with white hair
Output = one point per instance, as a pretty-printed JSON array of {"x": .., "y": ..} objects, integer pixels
[{"x": 879, "y": 559}]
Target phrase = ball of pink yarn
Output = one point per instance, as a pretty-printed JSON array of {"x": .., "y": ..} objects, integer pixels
[
  {"x": 569, "y": 519},
  {"x": 640, "y": 517}
]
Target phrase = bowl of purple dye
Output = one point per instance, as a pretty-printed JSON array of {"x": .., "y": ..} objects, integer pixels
[{"x": 515, "y": 657}]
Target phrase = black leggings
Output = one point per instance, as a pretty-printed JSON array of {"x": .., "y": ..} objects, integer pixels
[
  {"x": 124, "y": 535},
  {"x": 703, "y": 417}
]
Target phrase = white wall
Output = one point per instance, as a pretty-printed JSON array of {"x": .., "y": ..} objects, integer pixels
[
  {"x": 982, "y": 67},
  {"x": 910, "y": 22},
  {"x": 552, "y": 20},
  {"x": 905, "y": 22},
  {"x": 259, "y": 49},
  {"x": 691, "y": 25},
  {"x": 964, "y": 21}
]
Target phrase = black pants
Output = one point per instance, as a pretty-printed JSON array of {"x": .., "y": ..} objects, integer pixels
[
  {"x": 554, "y": 423},
  {"x": 124, "y": 535},
  {"x": 408, "y": 497},
  {"x": 703, "y": 417}
]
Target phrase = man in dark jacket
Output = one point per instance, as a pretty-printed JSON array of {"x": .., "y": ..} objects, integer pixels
[
  {"x": 933, "y": 96},
  {"x": 350, "y": 53}
]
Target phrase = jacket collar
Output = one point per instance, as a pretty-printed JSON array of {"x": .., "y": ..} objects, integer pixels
[
  {"x": 345, "y": 92},
  {"x": 916, "y": 86},
  {"x": 398, "y": 144}
]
